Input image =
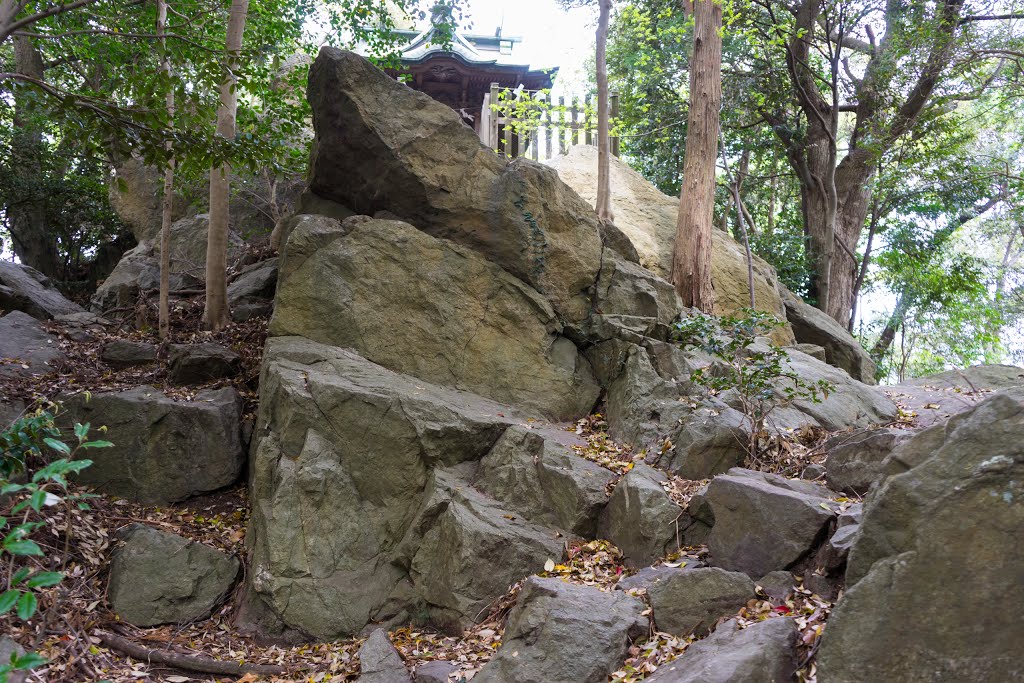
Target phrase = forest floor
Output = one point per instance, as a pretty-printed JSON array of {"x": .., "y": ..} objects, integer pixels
[{"x": 74, "y": 617}]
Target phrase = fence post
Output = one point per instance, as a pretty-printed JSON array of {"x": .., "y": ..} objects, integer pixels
[
  {"x": 547, "y": 128},
  {"x": 586, "y": 120},
  {"x": 614, "y": 102},
  {"x": 492, "y": 136},
  {"x": 561, "y": 125}
]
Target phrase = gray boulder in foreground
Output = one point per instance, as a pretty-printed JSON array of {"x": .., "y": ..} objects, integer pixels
[
  {"x": 690, "y": 602},
  {"x": 164, "y": 450},
  {"x": 26, "y": 348},
  {"x": 765, "y": 522},
  {"x": 563, "y": 633},
  {"x": 379, "y": 661},
  {"x": 764, "y": 652},
  {"x": 641, "y": 519},
  {"x": 161, "y": 578},
  {"x": 937, "y": 569}
]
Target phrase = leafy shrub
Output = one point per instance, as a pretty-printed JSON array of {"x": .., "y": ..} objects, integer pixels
[
  {"x": 755, "y": 370},
  {"x": 34, "y": 442}
]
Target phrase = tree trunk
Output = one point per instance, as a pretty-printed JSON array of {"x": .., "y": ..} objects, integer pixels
[
  {"x": 32, "y": 241},
  {"x": 216, "y": 316},
  {"x": 603, "y": 204},
  {"x": 691, "y": 263},
  {"x": 168, "y": 198}
]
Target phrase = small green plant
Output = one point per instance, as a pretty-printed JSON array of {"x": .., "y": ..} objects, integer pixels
[
  {"x": 754, "y": 370},
  {"x": 31, "y": 443}
]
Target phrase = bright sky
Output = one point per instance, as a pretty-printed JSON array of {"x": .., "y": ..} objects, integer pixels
[{"x": 551, "y": 36}]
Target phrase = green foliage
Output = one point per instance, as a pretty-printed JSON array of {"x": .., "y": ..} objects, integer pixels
[
  {"x": 752, "y": 370},
  {"x": 35, "y": 461}
]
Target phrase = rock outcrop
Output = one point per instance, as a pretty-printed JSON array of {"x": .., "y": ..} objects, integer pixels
[
  {"x": 953, "y": 520},
  {"x": 447, "y": 315},
  {"x": 563, "y": 632},
  {"x": 382, "y": 147},
  {"x": 379, "y": 661},
  {"x": 691, "y": 602},
  {"x": 764, "y": 522},
  {"x": 648, "y": 219},
  {"x": 641, "y": 519},
  {"x": 26, "y": 348},
  {"x": 161, "y": 578},
  {"x": 164, "y": 450},
  {"x": 812, "y": 326},
  {"x": 762, "y": 653},
  {"x": 26, "y": 289}
]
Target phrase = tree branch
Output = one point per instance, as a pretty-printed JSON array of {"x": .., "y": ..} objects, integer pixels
[{"x": 186, "y": 662}]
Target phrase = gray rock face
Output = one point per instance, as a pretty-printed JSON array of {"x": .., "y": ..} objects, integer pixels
[
  {"x": 121, "y": 353},
  {"x": 10, "y": 650},
  {"x": 139, "y": 269},
  {"x": 161, "y": 578},
  {"x": 625, "y": 288},
  {"x": 641, "y": 519},
  {"x": 545, "y": 481},
  {"x": 708, "y": 441},
  {"x": 447, "y": 315},
  {"x": 762, "y": 653},
  {"x": 648, "y": 576},
  {"x": 764, "y": 522},
  {"x": 199, "y": 363},
  {"x": 692, "y": 601},
  {"x": 251, "y": 294},
  {"x": 136, "y": 194},
  {"x": 954, "y": 520},
  {"x": 560, "y": 632},
  {"x": 777, "y": 585},
  {"x": 379, "y": 661},
  {"x": 812, "y": 326},
  {"x": 26, "y": 289},
  {"x": 26, "y": 348},
  {"x": 382, "y": 146},
  {"x": 437, "y": 671},
  {"x": 854, "y": 462},
  {"x": 358, "y": 515},
  {"x": 164, "y": 450}
]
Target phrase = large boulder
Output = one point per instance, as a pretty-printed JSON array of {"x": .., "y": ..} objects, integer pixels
[
  {"x": 855, "y": 460},
  {"x": 690, "y": 602},
  {"x": 381, "y": 146},
  {"x": 764, "y": 522},
  {"x": 138, "y": 271},
  {"x": 641, "y": 519},
  {"x": 363, "y": 506},
  {"x": 813, "y": 326},
  {"x": 544, "y": 481},
  {"x": 379, "y": 661},
  {"x": 562, "y": 632},
  {"x": 251, "y": 293},
  {"x": 26, "y": 348},
  {"x": 164, "y": 450},
  {"x": 764, "y": 652},
  {"x": 199, "y": 363},
  {"x": 447, "y": 315},
  {"x": 648, "y": 219},
  {"x": 161, "y": 578},
  {"x": 936, "y": 565},
  {"x": 936, "y": 398},
  {"x": 26, "y": 289}
]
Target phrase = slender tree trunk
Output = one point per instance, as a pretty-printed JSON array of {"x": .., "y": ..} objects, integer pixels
[
  {"x": 603, "y": 204},
  {"x": 32, "y": 241},
  {"x": 168, "y": 198},
  {"x": 216, "y": 316},
  {"x": 691, "y": 264}
]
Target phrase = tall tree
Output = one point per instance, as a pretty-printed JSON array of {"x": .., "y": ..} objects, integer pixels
[
  {"x": 691, "y": 263},
  {"x": 167, "y": 207},
  {"x": 603, "y": 203},
  {"x": 216, "y": 315}
]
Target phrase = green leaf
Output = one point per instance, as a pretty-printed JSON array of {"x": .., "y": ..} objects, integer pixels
[
  {"x": 29, "y": 660},
  {"x": 97, "y": 444},
  {"x": 8, "y": 599},
  {"x": 59, "y": 446},
  {"x": 45, "y": 579},
  {"x": 27, "y": 605},
  {"x": 81, "y": 431},
  {"x": 20, "y": 575},
  {"x": 23, "y": 548}
]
